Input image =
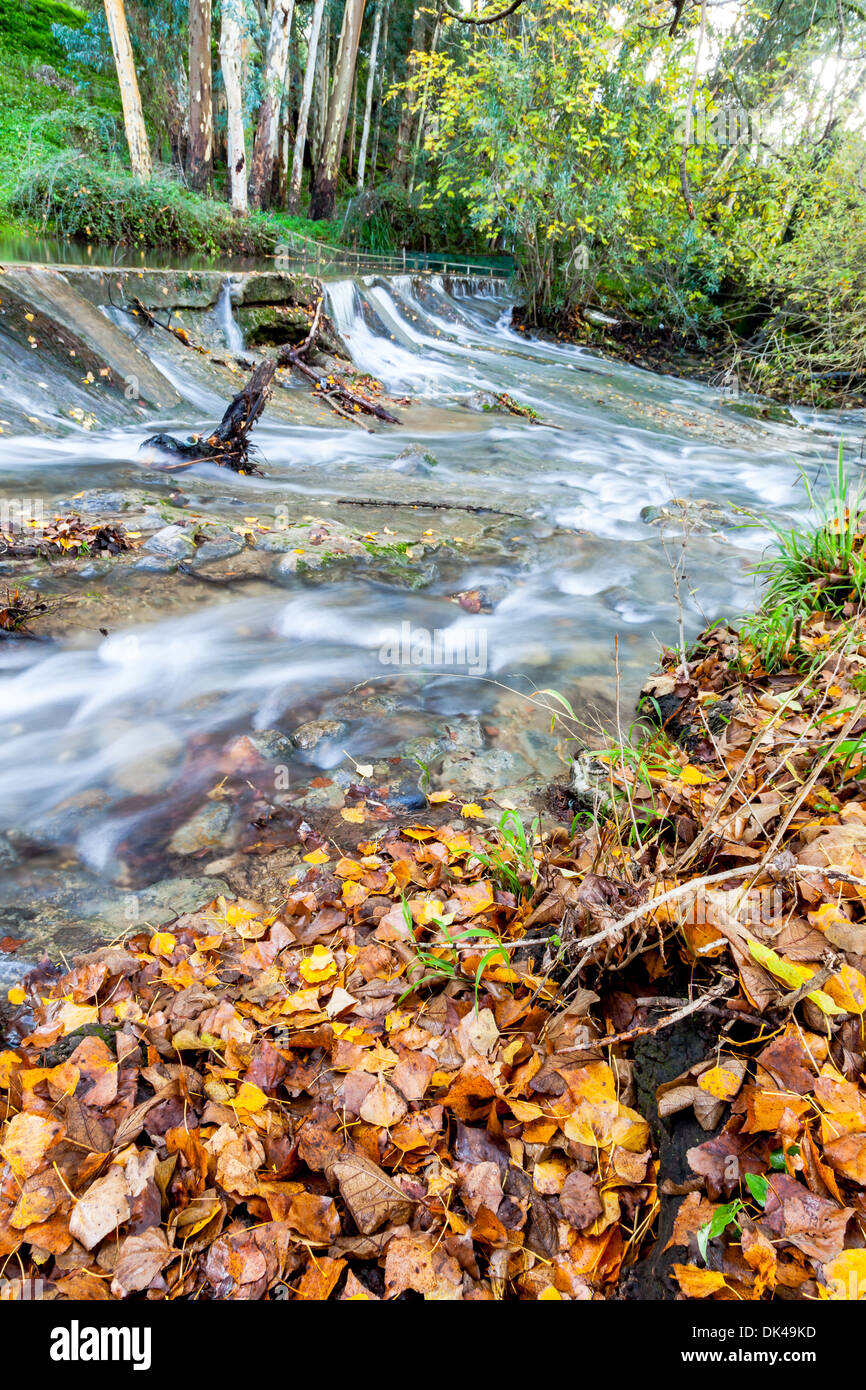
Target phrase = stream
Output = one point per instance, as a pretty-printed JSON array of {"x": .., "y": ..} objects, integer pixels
[{"x": 126, "y": 739}]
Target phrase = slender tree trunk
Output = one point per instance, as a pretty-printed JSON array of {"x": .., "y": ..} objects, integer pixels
[
  {"x": 133, "y": 117},
  {"x": 422, "y": 114},
  {"x": 374, "y": 162},
  {"x": 403, "y": 146},
  {"x": 230, "y": 59},
  {"x": 324, "y": 188},
  {"x": 368, "y": 101},
  {"x": 322, "y": 88},
  {"x": 294, "y": 198},
  {"x": 200, "y": 151},
  {"x": 267, "y": 130},
  {"x": 350, "y": 151}
]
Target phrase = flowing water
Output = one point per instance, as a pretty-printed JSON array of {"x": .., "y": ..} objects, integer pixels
[{"x": 111, "y": 740}]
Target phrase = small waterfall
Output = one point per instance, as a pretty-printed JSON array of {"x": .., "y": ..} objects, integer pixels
[
  {"x": 343, "y": 303},
  {"x": 234, "y": 338}
]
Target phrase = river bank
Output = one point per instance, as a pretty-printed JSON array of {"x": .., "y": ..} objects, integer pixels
[
  {"x": 747, "y": 371},
  {"x": 619, "y": 1058}
]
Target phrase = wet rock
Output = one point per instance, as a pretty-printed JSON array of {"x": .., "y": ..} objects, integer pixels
[
  {"x": 423, "y": 749},
  {"x": 100, "y": 501},
  {"x": 156, "y": 564},
  {"x": 308, "y": 735},
  {"x": 693, "y": 513},
  {"x": 59, "y": 313},
  {"x": 271, "y": 325},
  {"x": 520, "y": 798},
  {"x": 219, "y": 548},
  {"x": 63, "y": 824},
  {"x": 272, "y": 745},
  {"x": 275, "y": 541},
  {"x": 70, "y": 911},
  {"x": 276, "y": 287},
  {"x": 361, "y": 706},
  {"x": 415, "y": 461},
  {"x": 482, "y": 400},
  {"x": 8, "y": 855},
  {"x": 407, "y": 794},
  {"x": 209, "y": 828},
  {"x": 483, "y": 771},
  {"x": 462, "y": 734},
  {"x": 97, "y": 568},
  {"x": 173, "y": 542},
  {"x": 320, "y": 798}
]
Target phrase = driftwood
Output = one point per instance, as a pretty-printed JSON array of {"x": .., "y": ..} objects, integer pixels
[
  {"x": 338, "y": 396},
  {"x": 228, "y": 445}
]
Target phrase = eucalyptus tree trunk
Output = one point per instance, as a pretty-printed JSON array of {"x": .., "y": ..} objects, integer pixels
[
  {"x": 267, "y": 129},
  {"x": 368, "y": 101},
  {"x": 383, "y": 72},
  {"x": 403, "y": 146},
  {"x": 133, "y": 117},
  {"x": 320, "y": 91},
  {"x": 230, "y": 60},
  {"x": 294, "y": 198},
  {"x": 422, "y": 114},
  {"x": 324, "y": 188},
  {"x": 200, "y": 149}
]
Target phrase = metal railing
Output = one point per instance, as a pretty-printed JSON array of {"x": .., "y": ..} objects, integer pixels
[{"x": 295, "y": 248}]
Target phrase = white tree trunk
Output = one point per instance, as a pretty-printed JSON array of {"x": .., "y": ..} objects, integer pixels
[
  {"x": 133, "y": 116},
  {"x": 230, "y": 59},
  {"x": 324, "y": 185},
  {"x": 294, "y": 197},
  {"x": 368, "y": 102},
  {"x": 273, "y": 82}
]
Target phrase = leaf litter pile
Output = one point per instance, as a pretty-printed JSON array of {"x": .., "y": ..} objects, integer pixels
[{"x": 425, "y": 1074}]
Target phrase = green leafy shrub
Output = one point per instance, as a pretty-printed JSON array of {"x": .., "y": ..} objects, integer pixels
[{"x": 77, "y": 200}]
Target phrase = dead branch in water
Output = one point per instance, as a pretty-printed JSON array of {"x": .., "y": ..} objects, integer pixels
[
  {"x": 228, "y": 445},
  {"x": 338, "y": 396}
]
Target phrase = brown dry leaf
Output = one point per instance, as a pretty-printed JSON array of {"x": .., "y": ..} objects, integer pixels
[
  {"x": 580, "y": 1200},
  {"x": 372, "y": 1197},
  {"x": 139, "y": 1260},
  {"x": 422, "y": 1263},
  {"x": 383, "y": 1105}
]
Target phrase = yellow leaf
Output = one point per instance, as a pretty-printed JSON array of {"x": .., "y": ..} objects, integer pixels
[
  {"x": 318, "y": 967},
  {"x": 550, "y": 1295},
  {"x": 693, "y": 777},
  {"x": 722, "y": 1082},
  {"x": 438, "y": 797},
  {"x": 9, "y": 1064},
  {"x": 317, "y": 856},
  {"x": 162, "y": 943},
  {"x": 698, "y": 1283},
  {"x": 471, "y": 811},
  {"x": 250, "y": 1097},
  {"x": 845, "y": 1277},
  {"x": 353, "y": 814},
  {"x": 16, "y": 995},
  {"x": 74, "y": 1016},
  {"x": 848, "y": 989},
  {"x": 792, "y": 975}
]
